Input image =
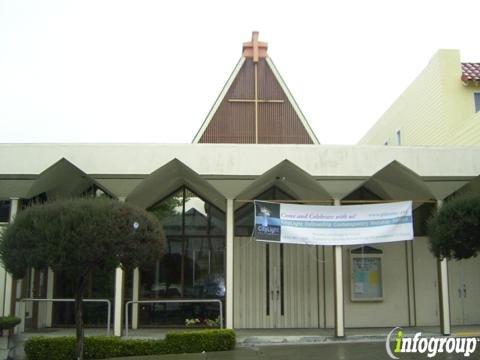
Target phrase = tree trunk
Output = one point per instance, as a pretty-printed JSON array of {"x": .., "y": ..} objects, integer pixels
[{"x": 80, "y": 338}]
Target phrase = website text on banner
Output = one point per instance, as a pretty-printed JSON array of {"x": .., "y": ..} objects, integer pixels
[{"x": 333, "y": 225}]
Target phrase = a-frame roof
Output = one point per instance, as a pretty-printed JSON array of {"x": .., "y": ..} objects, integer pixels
[{"x": 255, "y": 106}]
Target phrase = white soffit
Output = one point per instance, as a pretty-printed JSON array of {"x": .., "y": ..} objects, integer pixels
[
  {"x": 168, "y": 178},
  {"x": 63, "y": 179},
  {"x": 290, "y": 179},
  {"x": 441, "y": 189},
  {"x": 339, "y": 188},
  {"x": 397, "y": 182}
]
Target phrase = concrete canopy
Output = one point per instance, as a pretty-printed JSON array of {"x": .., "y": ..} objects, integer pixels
[
  {"x": 63, "y": 179},
  {"x": 443, "y": 188},
  {"x": 472, "y": 186},
  {"x": 13, "y": 187},
  {"x": 168, "y": 178},
  {"x": 397, "y": 182},
  {"x": 289, "y": 178},
  {"x": 339, "y": 188}
]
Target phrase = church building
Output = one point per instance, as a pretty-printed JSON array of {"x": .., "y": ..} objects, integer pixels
[{"x": 254, "y": 144}]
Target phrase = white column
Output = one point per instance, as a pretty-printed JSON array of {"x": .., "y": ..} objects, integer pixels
[
  {"x": 229, "y": 265},
  {"x": 444, "y": 300},
  {"x": 118, "y": 299},
  {"x": 49, "y": 307},
  {"x": 7, "y": 309},
  {"x": 135, "y": 293},
  {"x": 20, "y": 306},
  {"x": 338, "y": 286},
  {"x": 118, "y": 302}
]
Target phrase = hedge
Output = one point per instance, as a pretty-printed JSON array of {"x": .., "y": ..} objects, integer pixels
[
  {"x": 198, "y": 341},
  {"x": 102, "y": 347}
]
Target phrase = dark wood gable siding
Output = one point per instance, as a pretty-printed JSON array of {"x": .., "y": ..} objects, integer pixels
[{"x": 235, "y": 122}]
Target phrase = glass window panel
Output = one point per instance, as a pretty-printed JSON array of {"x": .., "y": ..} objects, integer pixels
[
  {"x": 100, "y": 286},
  {"x": 196, "y": 217},
  {"x": 169, "y": 212},
  {"x": 4, "y": 210},
  {"x": 217, "y": 221},
  {"x": 164, "y": 279},
  {"x": 205, "y": 267},
  {"x": 193, "y": 265}
]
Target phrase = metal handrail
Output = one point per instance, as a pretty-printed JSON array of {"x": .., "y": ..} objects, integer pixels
[
  {"x": 172, "y": 301},
  {"x": 109, "y": 306}
]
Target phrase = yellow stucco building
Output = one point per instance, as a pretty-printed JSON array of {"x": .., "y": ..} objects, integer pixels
[{"x": 440, "y": 107}]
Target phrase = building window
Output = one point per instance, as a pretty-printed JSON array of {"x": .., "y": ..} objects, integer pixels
[
  {"x": 398, "y": 135},
  {"x": 193, "y": 265},
  {"x": 4, "y": 211},
  {"x": 477, "y": 102}
]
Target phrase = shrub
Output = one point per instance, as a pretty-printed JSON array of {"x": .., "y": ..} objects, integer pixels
[
  {"x": 96, "y": 347},
  {"x": 198, "y": 341},
  {"x": 9, "y": 322},
  {"x": 102, "y": 347},
  {"x": 454, "y": 230},
  {"x": 44, "y": 348}
]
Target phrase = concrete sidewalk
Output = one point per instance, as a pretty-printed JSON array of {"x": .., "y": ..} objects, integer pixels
[
  {"x": 248, "y": 338},
  {"x": 330, "y": 351},
  {"x": 311, "y": 336}
]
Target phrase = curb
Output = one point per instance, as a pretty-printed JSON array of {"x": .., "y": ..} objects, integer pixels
[{"x": 305, "y": 340}]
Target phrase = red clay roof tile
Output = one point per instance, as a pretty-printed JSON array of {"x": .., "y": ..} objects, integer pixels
[{"x": 470, "y": 72}]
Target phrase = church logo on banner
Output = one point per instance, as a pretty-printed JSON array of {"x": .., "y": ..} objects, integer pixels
[{"x": 267, "y": 221}]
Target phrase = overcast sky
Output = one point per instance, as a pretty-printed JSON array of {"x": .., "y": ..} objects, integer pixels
[{"x": 149, "y": 71}]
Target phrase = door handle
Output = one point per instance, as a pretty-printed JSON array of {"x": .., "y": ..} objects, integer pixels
[
  {"x": 278, "y": 294},
  {"x": 464, "y": 291},
  {"x": 459, "y": 293},
  {"x": 272, "y": 294}
]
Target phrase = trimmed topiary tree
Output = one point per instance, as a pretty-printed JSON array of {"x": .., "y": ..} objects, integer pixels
[
  {"x": 78, "y": 236},
  {"x": 454, "y": 230}
]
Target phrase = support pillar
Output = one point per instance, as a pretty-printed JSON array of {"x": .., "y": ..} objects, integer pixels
[
  {"x": 8, "y": 301},
  {"x": 118, "y": 302},
  {"x": 49, "y": 307},
  {"x": 135, "y": 295},
  {"x": 118, "y": 297},
  {"x": 229, "y": 265},
  {"x": 19, "y": 308},
  {"x": 338, "y": 287},
  {"x": 444, "y": 300}
]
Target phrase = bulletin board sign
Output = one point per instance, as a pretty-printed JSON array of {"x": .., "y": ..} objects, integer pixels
[{"x": 366, "y": 277}]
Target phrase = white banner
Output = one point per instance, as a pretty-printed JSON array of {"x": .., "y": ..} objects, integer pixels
[{"x": 333, "y": 225}]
